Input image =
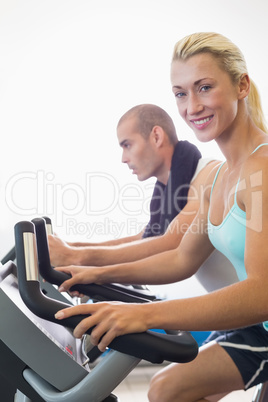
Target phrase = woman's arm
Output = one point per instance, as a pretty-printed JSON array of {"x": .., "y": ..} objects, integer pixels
[
  {"x": 167, "y": 267},
  {"x": 241, "y": 304},
  {"x": 63, "y": 254},
  {"x": 218, "y": 310}
]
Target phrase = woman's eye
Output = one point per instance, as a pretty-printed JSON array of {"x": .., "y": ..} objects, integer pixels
[
  {"x": 205, "y": 88},
  {"x": 180, "y": 94}
]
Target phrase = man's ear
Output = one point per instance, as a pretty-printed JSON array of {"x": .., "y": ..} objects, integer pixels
[
  {"x": 157, "y": 136},
  {"x": 243, "y": 86}
]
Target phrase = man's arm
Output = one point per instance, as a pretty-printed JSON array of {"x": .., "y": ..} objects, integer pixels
[
  {"x": 62, "y": 254},
  {"x": 114, "y": 242}
]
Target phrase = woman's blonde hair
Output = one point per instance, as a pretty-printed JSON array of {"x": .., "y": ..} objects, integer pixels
[{"x": 230, "y": 59}]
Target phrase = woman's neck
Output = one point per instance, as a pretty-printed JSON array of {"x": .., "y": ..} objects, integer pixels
[{"x": 240, "y": 141}]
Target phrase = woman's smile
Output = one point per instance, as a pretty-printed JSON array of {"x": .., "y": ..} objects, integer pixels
[{"x": 201, "y": 124}]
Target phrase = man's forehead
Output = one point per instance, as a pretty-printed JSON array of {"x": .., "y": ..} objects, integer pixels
[
  {"x": 128, "y": 131},
  {"x": 128, "y": 123}
]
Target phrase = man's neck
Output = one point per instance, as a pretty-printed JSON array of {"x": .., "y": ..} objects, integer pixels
[{"x": 163, "y": 176}]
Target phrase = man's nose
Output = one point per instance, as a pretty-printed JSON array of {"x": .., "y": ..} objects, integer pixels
[{"x": 124, "y": 158}]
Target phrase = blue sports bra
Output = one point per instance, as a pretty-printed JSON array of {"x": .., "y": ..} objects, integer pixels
[{"x": 229, "y": 237}]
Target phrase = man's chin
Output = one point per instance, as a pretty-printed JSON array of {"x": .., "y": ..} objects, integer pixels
[{"x": 142, "y": 178}]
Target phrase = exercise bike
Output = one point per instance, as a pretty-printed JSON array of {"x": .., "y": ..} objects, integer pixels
[{"x": 42, "y": 359}]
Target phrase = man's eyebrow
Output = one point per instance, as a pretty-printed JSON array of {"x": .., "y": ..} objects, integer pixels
[{"x": 123, "y": 142}]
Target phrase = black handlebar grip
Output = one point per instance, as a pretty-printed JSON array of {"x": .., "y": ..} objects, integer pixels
[
  {"x": 57, "y": 278},
  {"x": 48, "y": 224},
  {"x": 150, "y": 346},
  {"x": 24, "y": 246},
  {"x": 47, "y": 220}
]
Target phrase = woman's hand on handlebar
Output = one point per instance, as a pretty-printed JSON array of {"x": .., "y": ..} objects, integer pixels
[
  {"x": 79, "y": 275},
  {"x": 108, "y": 319}
]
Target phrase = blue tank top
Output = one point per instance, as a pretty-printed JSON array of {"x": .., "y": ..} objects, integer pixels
[{"x": 229, "y": 237}]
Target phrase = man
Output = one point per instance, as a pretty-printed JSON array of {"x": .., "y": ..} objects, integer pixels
[{"x": 151, "y": 148}]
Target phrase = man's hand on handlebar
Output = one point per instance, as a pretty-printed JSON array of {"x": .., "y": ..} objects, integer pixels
[{"x": 61, "y": 253}]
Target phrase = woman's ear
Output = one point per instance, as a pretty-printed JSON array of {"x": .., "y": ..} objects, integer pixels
[{"x": 244, "y": 86}]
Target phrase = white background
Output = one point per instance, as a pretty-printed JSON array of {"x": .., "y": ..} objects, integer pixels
[{"x": 68, "y": 70}]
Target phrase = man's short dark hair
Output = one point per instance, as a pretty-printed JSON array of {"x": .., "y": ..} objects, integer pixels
[{"x": 147, "y": 116}]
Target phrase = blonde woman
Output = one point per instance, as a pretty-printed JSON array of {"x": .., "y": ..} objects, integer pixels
[{"x": 217, "y": 99}]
